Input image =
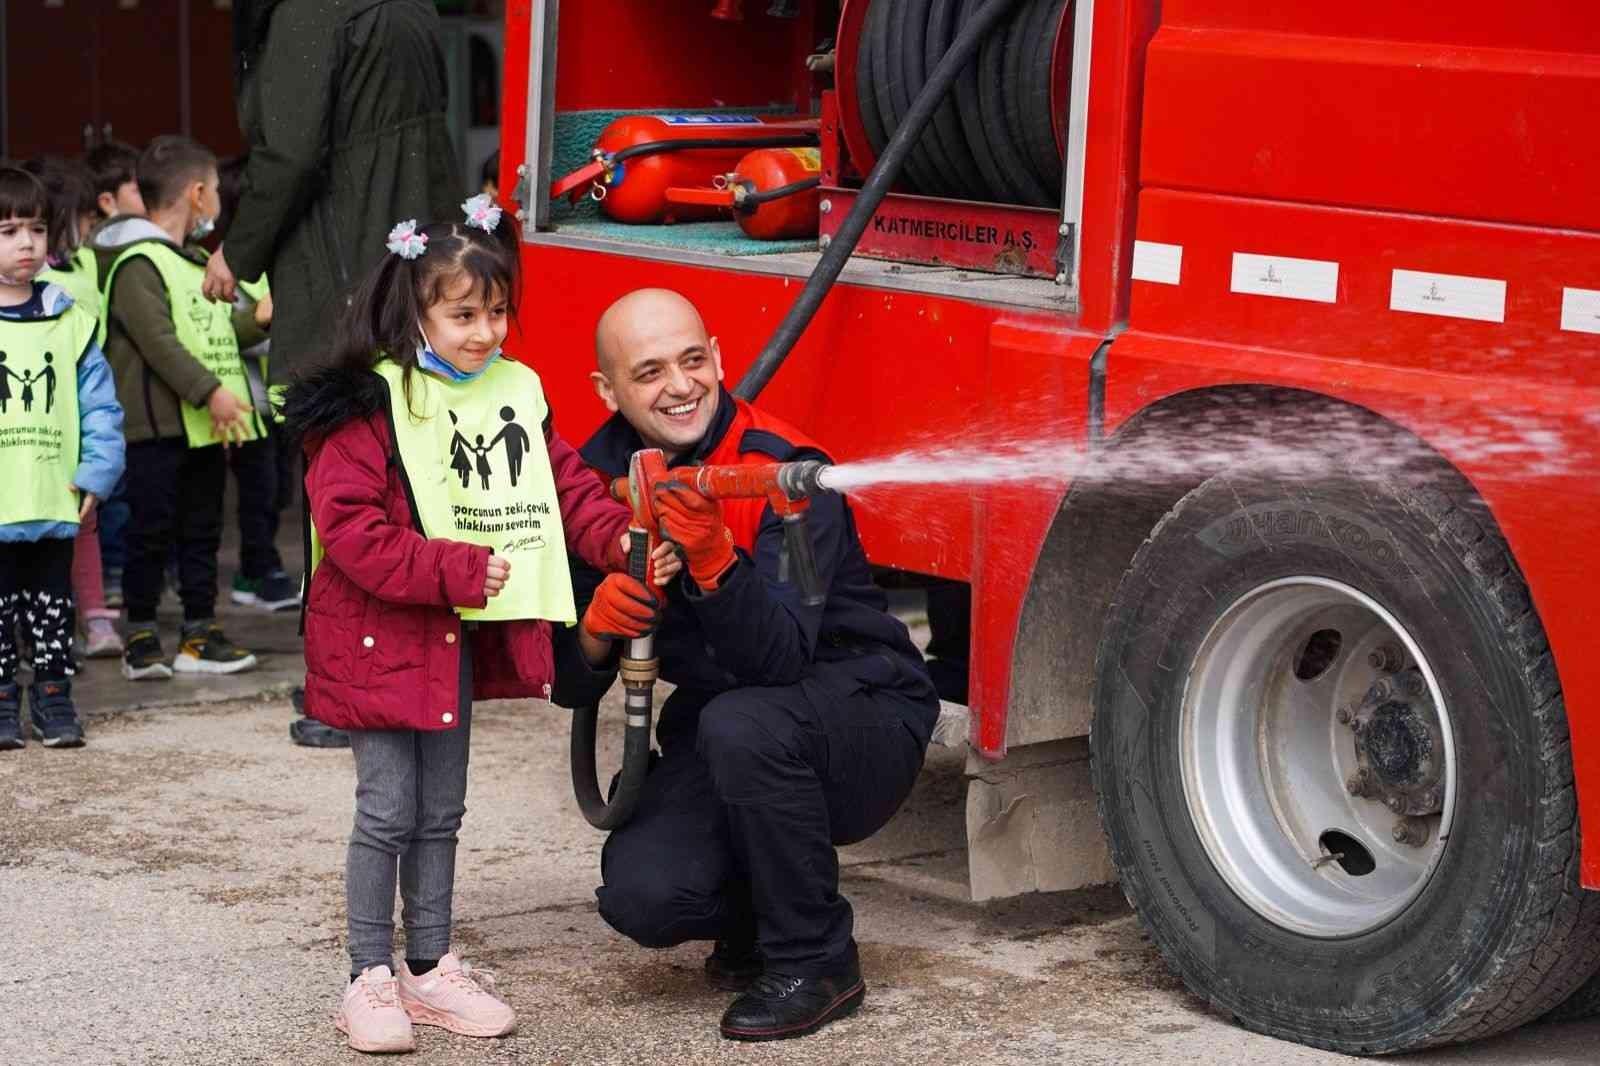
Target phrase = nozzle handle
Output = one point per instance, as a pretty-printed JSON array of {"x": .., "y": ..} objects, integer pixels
[{"x": 798, "y": 561}]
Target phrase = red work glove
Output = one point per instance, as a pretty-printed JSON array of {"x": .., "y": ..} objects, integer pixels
[
  {"x": 695, "y": 523},
  {"x": 622, "y": 608}
]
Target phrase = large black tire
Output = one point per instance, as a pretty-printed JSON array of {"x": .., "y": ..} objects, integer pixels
[
  {"x": 1500, "y": 931},
  {"x": 1584, "y": 1003}
]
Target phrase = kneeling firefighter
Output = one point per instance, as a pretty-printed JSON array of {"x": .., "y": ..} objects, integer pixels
[{"x": 792, "y": 728}]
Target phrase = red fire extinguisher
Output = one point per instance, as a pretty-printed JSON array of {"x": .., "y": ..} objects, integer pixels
[
  {"x": 639, "y": 157},
  {"x": 773, "y": 193}
]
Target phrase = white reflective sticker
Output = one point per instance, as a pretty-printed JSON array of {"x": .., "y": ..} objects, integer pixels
[
  {"x": 1580, "y": 310},
  {"x": 1450, "y": 295},
  {"x": 1157, "y": 262},
  {"x": 1281, "y": 275}
]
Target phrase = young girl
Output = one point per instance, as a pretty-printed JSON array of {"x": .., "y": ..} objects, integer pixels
[
  {"x": 61, "y": 451},
  {"x": 433, "y": 590}
]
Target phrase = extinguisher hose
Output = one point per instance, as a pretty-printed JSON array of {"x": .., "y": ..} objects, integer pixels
[
  {"x": 883, "y": 175},
  {"x": 792, "y": 140},
  {"x": 756, "y": 199}
]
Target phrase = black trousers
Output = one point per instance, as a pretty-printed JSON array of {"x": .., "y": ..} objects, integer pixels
[
  {"x": 735, "y": 830},
  {"x": 174, "y": 495},
  {"x": 265, "y": 485},
  {"x": 36, "y": 591}
]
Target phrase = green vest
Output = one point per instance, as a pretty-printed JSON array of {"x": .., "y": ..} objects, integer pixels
[
  {"x": 473, "y": 456},
  {"x": 39, "y": 434},
  {"x": 204, "y": 327},
  {"x": 82, "y": 282}
]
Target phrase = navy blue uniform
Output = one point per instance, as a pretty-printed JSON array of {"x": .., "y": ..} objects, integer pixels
[{"x": 792, "y": 729}]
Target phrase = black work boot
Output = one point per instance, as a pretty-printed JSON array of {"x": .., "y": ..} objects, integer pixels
[
  {"x": 779, "y": 1007},
  {"x": 11, "y": 717},
  {"x": 733, "y": 966},
  {"x": 54, "y": 718}
]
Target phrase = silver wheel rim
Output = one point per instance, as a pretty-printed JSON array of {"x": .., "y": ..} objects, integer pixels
[{"x": 1271, "y": 759}]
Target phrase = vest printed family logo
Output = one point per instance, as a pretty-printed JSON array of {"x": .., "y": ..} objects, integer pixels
[
  {"x": 26, "y": 382},
  {"x": 469, "y": 457}
]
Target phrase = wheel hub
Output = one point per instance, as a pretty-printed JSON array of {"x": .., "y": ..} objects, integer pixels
[
  {"x": 1397, "y": 745},
  {"x": 1318, "y": 758}
]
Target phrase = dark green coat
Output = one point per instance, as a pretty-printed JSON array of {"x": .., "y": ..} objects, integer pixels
[{"x": 344, "y": 112}]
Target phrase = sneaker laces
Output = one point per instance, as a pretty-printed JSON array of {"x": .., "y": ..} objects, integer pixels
[
  {"x": 381, "y": 993},
  {"x": 472, "y": 979}
]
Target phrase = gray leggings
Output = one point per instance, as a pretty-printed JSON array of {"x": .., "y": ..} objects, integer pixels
[{"x": 411, "y": 791}]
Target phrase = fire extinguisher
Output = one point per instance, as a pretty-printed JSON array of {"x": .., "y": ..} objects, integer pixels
[
  {"x": 639, "y": 157},
  {"x": 773, "y": 193}
]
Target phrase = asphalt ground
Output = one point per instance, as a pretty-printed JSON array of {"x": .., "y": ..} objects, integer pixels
[{"x": 173, "y": 894}]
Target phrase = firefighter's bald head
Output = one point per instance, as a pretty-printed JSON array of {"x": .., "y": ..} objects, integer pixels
[{"x": 656, "y": 364}]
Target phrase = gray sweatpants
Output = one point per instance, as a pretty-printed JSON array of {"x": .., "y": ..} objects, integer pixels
[{"x": 411, "y": 791}]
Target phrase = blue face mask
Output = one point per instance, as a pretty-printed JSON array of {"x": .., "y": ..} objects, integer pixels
[{"x": 431, "y": 361}]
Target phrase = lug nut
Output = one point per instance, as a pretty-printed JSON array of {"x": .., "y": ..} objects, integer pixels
[
  {"x": 1358, "y": 726},
  {"x": 1396, "y": 804},
  {"x": 1411, "y": 831},
  {"x": 1343, "y": 716},
  {"x": 1385, "y": 657},
  {"x": 1356, "y": 784}
]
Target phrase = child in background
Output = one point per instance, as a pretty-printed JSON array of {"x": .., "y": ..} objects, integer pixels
[
  {"x": 61, "y": 450},
  {"x": 115, "y": 191},
  {"x": 262, "y": 468},
  {"x": 73, "y": 267},
  {"x": 113, "y": 174},
  {"x": 175, "y": 356},
  {"x": 414, "y": 610}
]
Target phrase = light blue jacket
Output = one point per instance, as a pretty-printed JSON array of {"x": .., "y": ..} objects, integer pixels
[{"x": 101, "y": 451}]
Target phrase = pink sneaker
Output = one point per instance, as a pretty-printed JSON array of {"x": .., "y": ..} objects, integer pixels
[
  {"x": 371, "y": 1015},
  {"x": 102, "y": 641},
  {"x": 456, "y": 997}
]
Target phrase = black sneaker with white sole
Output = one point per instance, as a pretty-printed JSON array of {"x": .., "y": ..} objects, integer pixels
[
  {"x": 207, "y": 650},
  {"x": 52, "y": 714},
  {"x": 143, "y": 660},
  {"x": 11, "y": 717},
  {"x": 277, "y": 592}
]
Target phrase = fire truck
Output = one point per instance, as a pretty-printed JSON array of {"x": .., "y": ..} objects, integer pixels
[{"x": 1300, "y": 652}]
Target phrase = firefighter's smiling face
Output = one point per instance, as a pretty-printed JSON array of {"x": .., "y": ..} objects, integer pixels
[{"x": 658, "y": 366}]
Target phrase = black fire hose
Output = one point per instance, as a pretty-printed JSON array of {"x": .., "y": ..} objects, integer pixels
[
  {"x": 597, "y": 810},
  {"x": 883, "y": 175},
  {"x": 634, "y": 151},
  {"x": 638, "y": 678}
]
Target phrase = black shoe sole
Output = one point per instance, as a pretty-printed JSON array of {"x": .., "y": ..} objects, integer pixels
[
  {"x": 12, "y": 744},
  {"x": 845, "y": 1005},
  {"x": 58, "y": 742}
]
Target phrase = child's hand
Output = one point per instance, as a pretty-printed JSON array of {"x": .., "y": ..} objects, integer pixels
[
  {"x": 668, "y": 563},
  {"x": 85, "y": 503},
  {"x": 495, "y": 579},
  {"x": 263, "y": 311},
  {"x": 229, "y": 416}
]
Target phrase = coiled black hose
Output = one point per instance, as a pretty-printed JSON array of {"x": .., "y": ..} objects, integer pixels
[
  {"x": 884, "y": 174},
  {"x": 993, "y": 139}
]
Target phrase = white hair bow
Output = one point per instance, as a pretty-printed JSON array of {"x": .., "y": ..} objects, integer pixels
[
  {"x": 482, "y": 212},
  {"x": 405, "y": 241}
]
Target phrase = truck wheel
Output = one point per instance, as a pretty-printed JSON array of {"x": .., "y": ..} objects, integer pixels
[
  {"x": 1584, "y": 1003},
  {"x": 1332, "y": 762}
]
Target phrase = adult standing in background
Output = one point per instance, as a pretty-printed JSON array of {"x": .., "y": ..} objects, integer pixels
[{"x": 342, "y": 104}]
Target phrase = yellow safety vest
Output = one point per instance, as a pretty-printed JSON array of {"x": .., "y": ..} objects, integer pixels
[
  {"x": 39, "y": 434},
  {"x": 204, "y": 327},
  {"x": 82, "y": 282},
  {"x": 473, "y": 455}
]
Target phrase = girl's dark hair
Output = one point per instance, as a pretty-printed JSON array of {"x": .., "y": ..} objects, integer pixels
[
  {"x": 22, "y": 195},
  {"x": 68, "y": 194},
  {"x": 382, "y": 316}
]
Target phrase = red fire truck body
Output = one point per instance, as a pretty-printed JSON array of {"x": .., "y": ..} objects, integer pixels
[{"x": 1390, "y": 207}]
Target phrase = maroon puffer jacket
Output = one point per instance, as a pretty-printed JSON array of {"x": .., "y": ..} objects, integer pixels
[{"x": 381, "y": 640}]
